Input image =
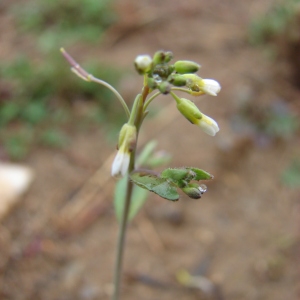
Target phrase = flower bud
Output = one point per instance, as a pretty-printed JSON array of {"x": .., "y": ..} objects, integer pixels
[
  {"x": 162, "y": 70},
  {"x": 208, "y": 125},
  {"x": 202, "y": 86},
  {"x": 152, "y": 83},
  {"x": 210, "y": 87},
  {"x": 191, "y": 112},
  {"x": 168, "y": 56},
  {"x": 159, "y": 57},
  {"x": 193, "y": 190},
  {"x": 177, "y": 80},
  {"x": 126, "y": 144},
  {"x": 165, "y": 87},
  {"x": 143, "y": 63},
  {"x": 186, "y": 66}
]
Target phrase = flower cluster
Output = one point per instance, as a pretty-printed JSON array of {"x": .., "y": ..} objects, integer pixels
[
  {"x": 159, "y": 74},
  {"x": 166, "y": 78},
  {"x": 181, "y": 76}
]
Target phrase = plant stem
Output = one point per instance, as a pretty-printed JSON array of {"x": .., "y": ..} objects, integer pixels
[
  {"x": 83, "y": 74},
  {"x": 122, "y": 234},
  {"x": 137, "y": 113},
  {"x": 117, "y": 94}
]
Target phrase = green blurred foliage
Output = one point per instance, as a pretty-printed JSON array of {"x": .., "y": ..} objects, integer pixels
[
  {"x": 18, "y": 141},
  {"x": 276, "y": 121},
  {"x": 274, "y": 23},
  {"x": 62, "y": 22},
  {"x": 40, "y": 94},
  {"x": 282, "y": 126},
  {"x": 53, "y": 138},
  {"x": 291, "y": 176}
]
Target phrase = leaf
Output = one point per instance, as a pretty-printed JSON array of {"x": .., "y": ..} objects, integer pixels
[
  {"x": 201, "y": 174},
  {"x": 182, "y": 176},
  {"x": 176, "y": 174},
  {"x": 139, "y": 197},
  {"x": 160, "y": 186},
  {"x": 166, "y": 190}
]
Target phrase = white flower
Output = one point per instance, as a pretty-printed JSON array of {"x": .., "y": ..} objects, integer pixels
[
  {"x": 126, "y": 144},
  {"x": 120, "y": 164},
  {"x": 191, "y": 112},
  {"x": 208, "y": 125},
  {"x": 143, "y": 63},
  {"x": 210, "y": 86}
]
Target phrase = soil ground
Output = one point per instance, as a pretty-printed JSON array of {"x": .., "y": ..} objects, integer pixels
[{"x": 242, "y": 237}]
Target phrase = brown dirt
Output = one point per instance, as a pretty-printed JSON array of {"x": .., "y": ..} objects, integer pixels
[{"x": 242, "y": 236}]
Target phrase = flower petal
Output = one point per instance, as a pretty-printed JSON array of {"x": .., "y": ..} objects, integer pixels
[
  {"x": 210, "y": 87},
  {"x": 208, "y": 125},
  {"x": 143, "y": 63},
  {"x": 120, "y": 164}
]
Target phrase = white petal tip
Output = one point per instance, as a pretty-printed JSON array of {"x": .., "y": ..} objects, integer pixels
[
  {"x": 211, "y": 87},
  {"x": 120, "y": 164},
  {"x": 209, "y": 125}
]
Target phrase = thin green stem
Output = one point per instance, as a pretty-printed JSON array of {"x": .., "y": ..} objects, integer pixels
[
  {"x": 181, "y": 89},
  {"x": 97, "y": 80},
  {"x": 83, "y": 74},
  {"x": 193, "y": 93},
  {"x": 136, "y": 116},
  {"x": 121, "y": 242},
  {"x": 151, "y": 99},
  {"x": 134, "y": 110},
  {"x": 123, "y": 225}
]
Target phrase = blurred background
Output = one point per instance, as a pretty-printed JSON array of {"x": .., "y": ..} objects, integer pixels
[{"x": 240, "y": 241}]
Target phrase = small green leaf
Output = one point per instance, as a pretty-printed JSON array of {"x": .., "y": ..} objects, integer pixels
[
  {"x": 201, "y": 174},
  {"x": 139, "y": 197},
  {"x": 166, "y": 190},
  {"x": 175, "y": 175},
  {"x": 160, "y": 186}
]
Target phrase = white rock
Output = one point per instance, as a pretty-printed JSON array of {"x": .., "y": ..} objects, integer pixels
[{"x": 14, "y": 181}]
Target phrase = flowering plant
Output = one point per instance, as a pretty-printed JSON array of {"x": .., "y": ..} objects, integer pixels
[{"x": 160, "y": 77}]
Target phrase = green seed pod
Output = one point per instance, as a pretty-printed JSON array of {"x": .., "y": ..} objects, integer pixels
[
  {"x": 164, "y": 87},
  {"x": 186, "y": 66},
  {"x": 177, "y": 80}
]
